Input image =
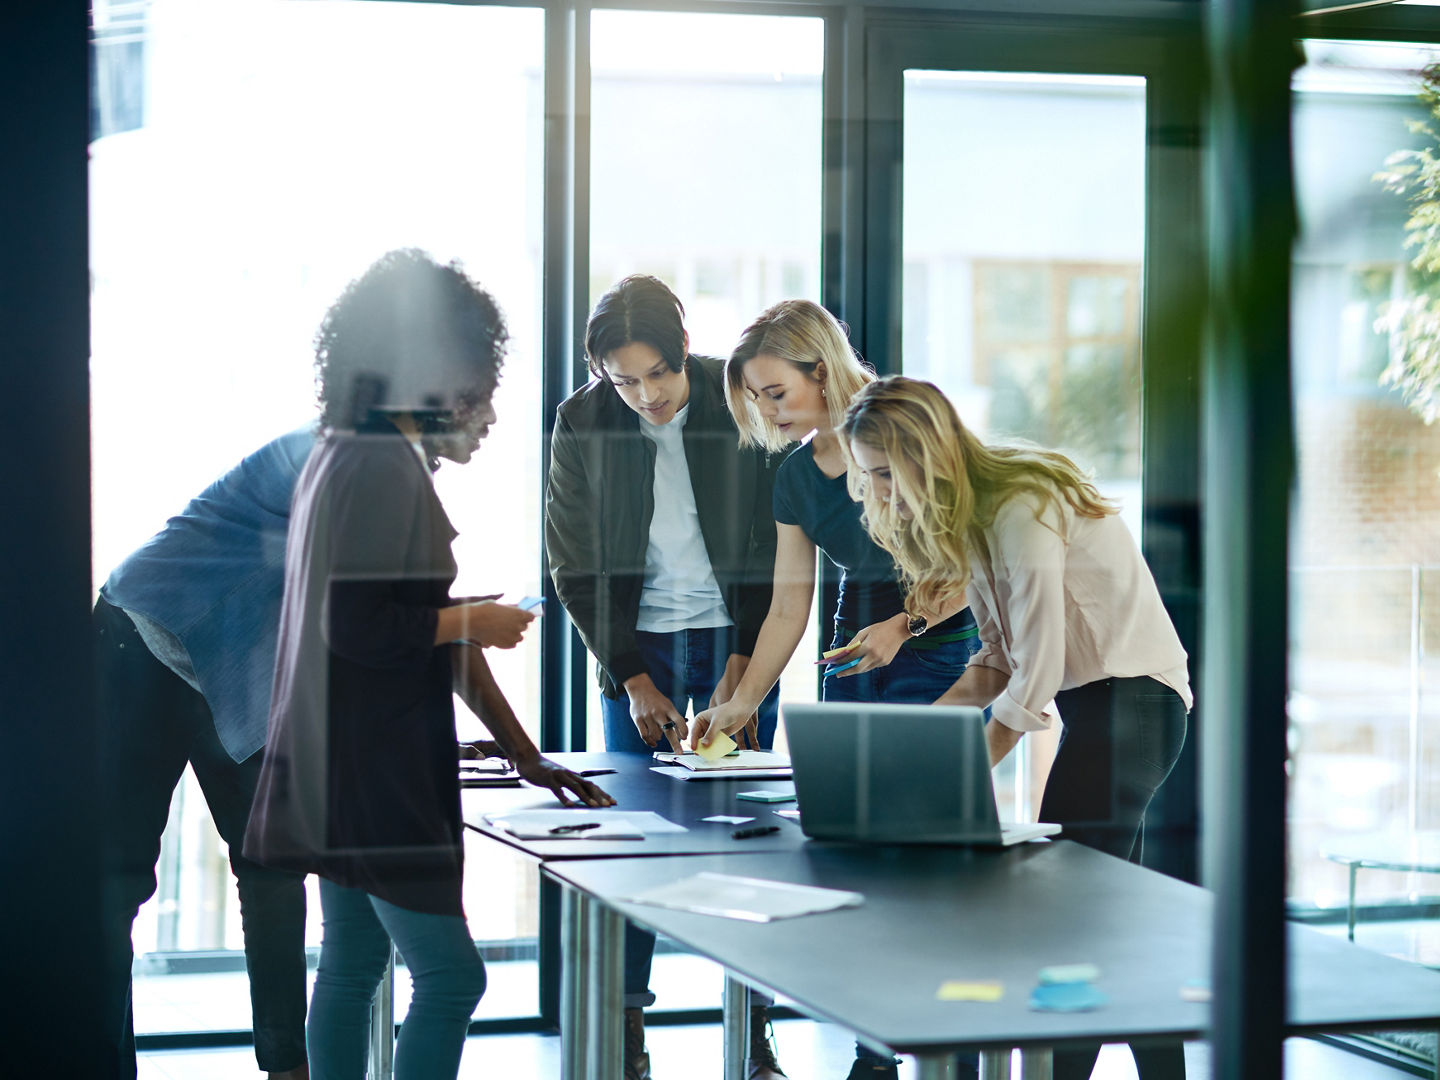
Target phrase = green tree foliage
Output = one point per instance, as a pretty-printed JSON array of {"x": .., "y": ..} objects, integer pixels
[{"x": 1413, "y": 323}]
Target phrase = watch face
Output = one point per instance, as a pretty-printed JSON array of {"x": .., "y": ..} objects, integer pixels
[{"x": 918, "y": 625}]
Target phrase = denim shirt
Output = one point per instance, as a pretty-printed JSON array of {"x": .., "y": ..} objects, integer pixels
[{"x": 213, "y": 578}]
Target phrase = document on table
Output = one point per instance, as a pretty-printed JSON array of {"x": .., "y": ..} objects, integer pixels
[
  {"x": 675, "y": 772},
  {"x": 740, "y": 761},
  {"x": 751, "y": 899},
  {"x": 599, "y": 824}
]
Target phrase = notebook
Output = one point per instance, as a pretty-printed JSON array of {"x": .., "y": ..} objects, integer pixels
[{"x": 896, "y": 774}]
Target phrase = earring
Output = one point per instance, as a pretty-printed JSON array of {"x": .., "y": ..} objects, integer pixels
[{"x": 822, "y": 391}]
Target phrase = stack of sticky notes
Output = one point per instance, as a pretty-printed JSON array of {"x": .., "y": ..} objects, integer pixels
[
  {"x": 721, "y": 745},
  {"x": 966, "y": 990},
  {"x": 1067, "y": 988}
]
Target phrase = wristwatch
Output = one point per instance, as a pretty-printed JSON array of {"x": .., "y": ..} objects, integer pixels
[{"x": 918, "y": 625}]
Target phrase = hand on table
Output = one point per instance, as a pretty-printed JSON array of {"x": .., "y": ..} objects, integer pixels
[
  {"x": 735, "y": 669},
  {"x": 732, "y": 719},
  {"x": 542, "y": 772},
  {"x": 654, "y": 715}
]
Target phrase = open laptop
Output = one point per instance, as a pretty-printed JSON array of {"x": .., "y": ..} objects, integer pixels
[{"x": 896, "y": 774}]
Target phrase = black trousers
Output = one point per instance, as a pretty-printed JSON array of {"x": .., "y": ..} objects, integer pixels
[
  {"x": 1121, "y": 739},
  {"x": 150, "y": 723}
]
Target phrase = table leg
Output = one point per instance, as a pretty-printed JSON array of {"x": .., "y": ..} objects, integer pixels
[
  {"x": 1037, "y": 1064},
  {"x": 606, "y": 986},
  {"x": 1350, "y": 910},
  {"x": 574, "y": 975},
  {"x": 935, "y": 1066},
  {"x": 994, "y": 1065},
  {"x": 382, "y": 1025},
  {"x": 736, "y": 1012}
]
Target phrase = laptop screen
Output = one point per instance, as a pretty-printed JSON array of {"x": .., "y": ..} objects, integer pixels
[{"x": 892, "y": 773}]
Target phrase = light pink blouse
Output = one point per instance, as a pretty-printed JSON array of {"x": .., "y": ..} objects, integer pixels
[{"x": 1063, "y": 600}]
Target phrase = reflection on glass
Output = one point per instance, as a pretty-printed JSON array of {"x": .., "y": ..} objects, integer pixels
[
  {"x": 1364, "y": 562},
  {"x": 705, "y": 171},
  {"x": 1024, "y": 204},
  {"x": 234, "y": 193}
]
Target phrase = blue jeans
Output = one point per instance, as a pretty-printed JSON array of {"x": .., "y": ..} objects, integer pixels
[
  {"x": 923, "y": 669},
  {"x": 685, "y": 666},
  {"x": 446, "y": 972}
]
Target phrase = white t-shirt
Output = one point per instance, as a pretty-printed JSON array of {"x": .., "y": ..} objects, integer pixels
[
  {"x": 1063, "y": 601},
  {"x": 680, "y": 591}
]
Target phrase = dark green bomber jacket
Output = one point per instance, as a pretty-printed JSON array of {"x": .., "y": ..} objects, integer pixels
[{"x": 600, "y": 498}]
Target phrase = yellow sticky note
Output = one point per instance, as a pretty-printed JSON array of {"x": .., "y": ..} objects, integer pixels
[
  {"x": 721, "y": 746},
  {"x": 832, "y": 652},
  {"x": 955, "y": 990}
]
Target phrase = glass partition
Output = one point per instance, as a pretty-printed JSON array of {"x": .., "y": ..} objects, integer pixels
[
  {"x": 705, "y": 171},
  {"x": 1362, "y": 716},
  {"x": 1024, "y": 237},
  {"x": 234, "y": 193},
  {"x": 1367, "y": 507}
]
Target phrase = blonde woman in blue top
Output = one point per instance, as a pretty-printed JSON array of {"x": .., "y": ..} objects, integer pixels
[{"x": 791, "y": 377}]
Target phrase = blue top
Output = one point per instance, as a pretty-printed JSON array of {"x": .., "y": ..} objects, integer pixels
[
  {"x": 213, "y": 578},
  {"x": 821, "y": 506}
]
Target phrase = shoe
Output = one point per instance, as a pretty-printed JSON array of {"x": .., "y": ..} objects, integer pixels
[
  {"x": 868, "y": 1068},
  {"x": 761, "y": 1064},
  {"x": 637, "y": 1060}
]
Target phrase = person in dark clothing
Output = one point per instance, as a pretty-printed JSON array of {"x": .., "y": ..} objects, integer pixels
[
  {"x": 359, "y": 782},
  {"x": 184, "y": 639},
  {"x": 660, "y": 536}
]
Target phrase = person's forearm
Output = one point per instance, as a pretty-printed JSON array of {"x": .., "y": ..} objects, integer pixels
[
  {"x": 779, "y": 635},
  {"x": 478, "y": 689},
  {"x": 450, "y": 624},
  {"x": 979, "y": 686},
  {"x": 1000, "y": 740}
]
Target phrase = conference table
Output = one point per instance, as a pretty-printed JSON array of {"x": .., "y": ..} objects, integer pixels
[{"x": 930, "y": 916}]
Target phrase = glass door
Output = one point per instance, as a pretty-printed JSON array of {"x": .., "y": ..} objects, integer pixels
[{"x": 1008, "y": 189}]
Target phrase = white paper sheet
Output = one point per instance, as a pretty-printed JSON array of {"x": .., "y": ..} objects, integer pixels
[
  {"x": 730, "y": 896},
  {"x": 614, "y": 824},
  {"x": 740, "y": 761},
  {"x": 678, "y": 772}
]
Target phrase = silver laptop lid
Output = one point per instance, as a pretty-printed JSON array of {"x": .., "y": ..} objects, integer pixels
[{"x": 895, "y": 774}]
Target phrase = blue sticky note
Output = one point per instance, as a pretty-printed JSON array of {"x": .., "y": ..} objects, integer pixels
[{"x": 1066, "y": 997}]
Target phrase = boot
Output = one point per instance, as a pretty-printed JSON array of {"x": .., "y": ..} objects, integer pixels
[
  {"x": 761, "y": 1064},
  {"x": 637, "y": 1061}
]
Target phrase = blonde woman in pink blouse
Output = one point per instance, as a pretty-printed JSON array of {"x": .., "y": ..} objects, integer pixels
[{"x": 1067, "y": 609}]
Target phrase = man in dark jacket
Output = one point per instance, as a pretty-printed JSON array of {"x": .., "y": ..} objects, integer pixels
[{"x": 661, "y": 542}]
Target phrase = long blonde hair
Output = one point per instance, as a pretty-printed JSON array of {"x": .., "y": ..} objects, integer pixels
[
  {"x": 952, "y": 483},
  {"x": 803, "y": 334}
]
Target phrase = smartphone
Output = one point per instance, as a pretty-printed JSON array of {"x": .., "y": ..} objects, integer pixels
[{"x": 533, "y": 603}]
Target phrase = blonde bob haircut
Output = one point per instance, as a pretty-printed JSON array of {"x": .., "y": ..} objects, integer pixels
[
  {"x": 803, "y": 334},
  {"x": 952, "y": 483}
]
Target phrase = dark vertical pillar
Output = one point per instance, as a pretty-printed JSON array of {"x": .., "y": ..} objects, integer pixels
[
  {"x": 1248, "y": 468},
  {"x": 842, "y": 253},
  {"x": 565, "y": 277},
  {"x": 1175, "y": 285},
  {"x": 49, "y": 861}
]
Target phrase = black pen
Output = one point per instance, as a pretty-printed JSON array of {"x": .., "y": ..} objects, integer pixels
[
  {"x": 560, "y": 830},
  {"x": 754, "y": 830}
]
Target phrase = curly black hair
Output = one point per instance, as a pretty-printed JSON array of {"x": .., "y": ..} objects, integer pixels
[
  {"x": 639, "y": 308},
  {"x": 408, "y": 334}
]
